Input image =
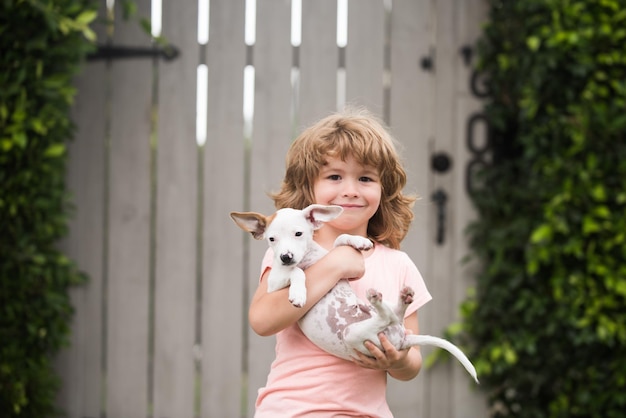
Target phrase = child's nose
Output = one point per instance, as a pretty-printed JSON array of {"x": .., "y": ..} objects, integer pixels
[{"x": 350, "y": 188}]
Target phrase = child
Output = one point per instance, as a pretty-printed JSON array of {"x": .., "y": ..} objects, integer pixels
[{"x": 346, "y": 159}]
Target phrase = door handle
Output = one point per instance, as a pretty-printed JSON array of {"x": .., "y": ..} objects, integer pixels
[
  {"x": 440, "y": 197},
  {"x": 440, "y": 163}
]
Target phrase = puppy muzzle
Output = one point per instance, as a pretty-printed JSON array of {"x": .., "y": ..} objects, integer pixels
[{"x": 287, "y": 259}]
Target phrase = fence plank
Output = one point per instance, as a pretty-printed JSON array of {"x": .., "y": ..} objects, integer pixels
[
  {"x": 127, "y": 362},
  {"x": 271, "y": 136},
  {"x": 410, "y": 120},
  {"x": 80, "y": 365},
  {"x": 318, "y": 61},
  {"x": 176, "y": 228},
  {"x": 223, "y": 304},
  {"x": 442, "y": 284},
  {"x": 465, "y": 394},
  {"x": 365, "y": 54}
]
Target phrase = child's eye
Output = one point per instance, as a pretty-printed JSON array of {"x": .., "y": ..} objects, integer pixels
[
  {"x": 366, "y": 179},
  {"x": 334, "y": 177}
]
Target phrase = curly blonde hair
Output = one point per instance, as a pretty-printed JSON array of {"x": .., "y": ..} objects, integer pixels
[{"x": 353, "y": 132}]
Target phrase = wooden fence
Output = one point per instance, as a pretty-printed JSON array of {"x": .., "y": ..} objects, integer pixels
[{"x": 161, "y": 328}]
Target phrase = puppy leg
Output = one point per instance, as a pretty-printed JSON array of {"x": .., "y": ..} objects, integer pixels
[
  {"x": 405, "y": 299},
  {"x": 297, "y": 289},
  {"x": 367, "y": 330},
  {"x": 386, "y": 315},
  {"x": 279, "y": 278},
  {"x": 354, "y": 241}
]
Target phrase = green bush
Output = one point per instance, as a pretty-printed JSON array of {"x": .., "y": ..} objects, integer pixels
[
  {"x": 42, "y": 44},
  {"x": 547, "y": 321}
]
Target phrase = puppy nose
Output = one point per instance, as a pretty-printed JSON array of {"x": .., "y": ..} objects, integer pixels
[{"x": 286, "y": 258}]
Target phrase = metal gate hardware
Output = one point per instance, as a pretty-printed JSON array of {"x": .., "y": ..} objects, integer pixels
[
  {"x": 427, "y": 62},
  {"x": 467, "y": 52},
  {"x": 111, "y": 52},
  {"x": 440, "y": 162},
  {"x": 440, "y": 197}
]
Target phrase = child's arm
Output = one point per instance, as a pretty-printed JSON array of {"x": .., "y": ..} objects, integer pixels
[{"x": 272, "y": 312}]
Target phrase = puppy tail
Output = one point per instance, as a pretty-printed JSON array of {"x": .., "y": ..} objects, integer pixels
[{"x": 413, "y": 340}]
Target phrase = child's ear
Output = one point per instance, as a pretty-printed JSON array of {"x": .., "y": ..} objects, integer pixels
[
  {"x": 318, "y": 214},
  {"x": 251, "y": 222}
]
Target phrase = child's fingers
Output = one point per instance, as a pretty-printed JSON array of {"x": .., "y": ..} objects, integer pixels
[{"x": 387, "y": 346}]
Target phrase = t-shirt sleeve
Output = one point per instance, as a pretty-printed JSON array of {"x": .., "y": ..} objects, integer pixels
[{"x": 266, "y": 264}]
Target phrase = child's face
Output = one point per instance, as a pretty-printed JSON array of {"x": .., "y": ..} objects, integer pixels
[{"x": 354, "y": 187}]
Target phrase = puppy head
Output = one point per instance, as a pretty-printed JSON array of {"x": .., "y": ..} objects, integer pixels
[{"x": 289, "y": 232}]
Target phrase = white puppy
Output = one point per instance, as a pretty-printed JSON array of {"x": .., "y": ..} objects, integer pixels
[{"x": 339, "y": 323}]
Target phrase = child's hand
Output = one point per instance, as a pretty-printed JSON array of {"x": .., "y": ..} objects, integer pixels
[
  {"x": 348, "y": 262},
  {"x": 388, "y": 359}
]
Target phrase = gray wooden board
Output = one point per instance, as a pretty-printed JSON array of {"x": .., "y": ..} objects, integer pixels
[
  {"x": 79, "y": 365},
  {"x": 129, "y": 233},
  {"x": 365, "y": 54},
  {"x": 176, "y": 214},
  {"x": 444, "y": 131},
  {"x": 271, "y": 136},
  {"x": 319, "y": 57},
  {"x": 466, "y": 394},
  {"x": 223, "y": 305},
  {"x": 410, "y": 120}
]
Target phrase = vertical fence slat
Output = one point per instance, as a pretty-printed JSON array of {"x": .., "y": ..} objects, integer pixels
[
  {"x": 465, "y": 394},
  {"x": 223, "y": 305},
  {"x": 79, "y": 365},
  {"x": 272, "y": 131},
  {"x": 318, "y": 61},
  {"x": 365, "y": 54},
  {"x": 410, "y": 120},
  {"x": 442, "y": 282},
  {"x": 129, "y": 232},
  {"x": 176, "y": 211}
]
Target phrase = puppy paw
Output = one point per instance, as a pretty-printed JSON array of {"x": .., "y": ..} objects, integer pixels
[
  {"x": 297, "y": 303},
  {"x": 297, "y": 299},
  {"x": 406, "y": 295},
  {"x": 355, "y": 241},
  {"x": 374, "y": 296}
]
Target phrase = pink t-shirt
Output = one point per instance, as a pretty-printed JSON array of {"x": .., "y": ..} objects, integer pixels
[{"x": 305, "y": 381}]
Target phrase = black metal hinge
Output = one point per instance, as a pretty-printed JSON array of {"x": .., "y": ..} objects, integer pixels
[{"x": 111, "y": 52}]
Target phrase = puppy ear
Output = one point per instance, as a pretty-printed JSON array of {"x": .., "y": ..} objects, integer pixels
[
  {"x": 318, "y": 214},
  {"x": 251, "y": 222}
]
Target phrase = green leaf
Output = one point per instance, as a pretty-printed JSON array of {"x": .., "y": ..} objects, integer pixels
[
  {"x": 599, "y": 193},
  {"x": 20, "y": 139},
  {"x": 146, "y": 25},
  {"x": 541, "y": 234},
  {"x": 55, "y": 150},
  {"x": 129, "y": 9},
  {"x": 533, "y": 43},
  {"x": 86, "y": 17}
]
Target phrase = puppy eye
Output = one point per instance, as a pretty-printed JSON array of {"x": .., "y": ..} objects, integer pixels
[
  {"x": 271, "y": 239},
  {"x": 298, "y": 234}
]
